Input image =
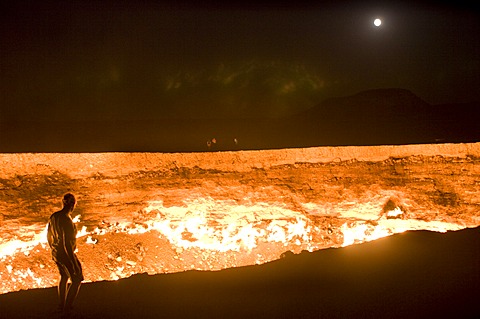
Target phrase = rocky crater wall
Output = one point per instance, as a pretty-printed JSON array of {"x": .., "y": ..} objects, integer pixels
[{"x": 78, "y": 165}]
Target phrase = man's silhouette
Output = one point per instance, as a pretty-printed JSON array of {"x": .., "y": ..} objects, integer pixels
[{"x": 61, "y": 236}]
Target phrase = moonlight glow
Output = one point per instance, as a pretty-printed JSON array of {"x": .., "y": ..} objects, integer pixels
[{"x": 377, "y": 22}]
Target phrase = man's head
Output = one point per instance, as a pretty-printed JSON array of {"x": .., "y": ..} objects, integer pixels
[{"x": 69, "y": 201}]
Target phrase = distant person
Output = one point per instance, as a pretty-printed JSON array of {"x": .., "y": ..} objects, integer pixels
[
  {"x": 214, "y": 143},
  {"x": 211, "y": 143},
  {"x": 61, "y": 235}
]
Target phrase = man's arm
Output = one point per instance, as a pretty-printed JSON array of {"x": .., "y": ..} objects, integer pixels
[{"x": 49, "y": 234}]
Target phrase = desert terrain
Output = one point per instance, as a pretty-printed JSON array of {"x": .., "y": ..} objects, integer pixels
[{"x": 170, "y": 212}]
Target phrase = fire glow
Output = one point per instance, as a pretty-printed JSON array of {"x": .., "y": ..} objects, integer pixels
[
  {"x": 234, "y": 235},
  {"x": 166, "y": 213}
]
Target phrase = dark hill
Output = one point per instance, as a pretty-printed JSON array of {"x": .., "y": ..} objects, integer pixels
[
  {"x": 373, "y": 117},
  {"x": 386, "y": 104},
  {"x": 387, "y": 116}
]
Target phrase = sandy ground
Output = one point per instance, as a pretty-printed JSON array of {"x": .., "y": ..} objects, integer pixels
[{"x": 411, "y": 275}]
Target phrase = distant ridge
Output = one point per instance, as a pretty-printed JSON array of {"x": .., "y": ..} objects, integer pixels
[
  {"x": 390, "y": 116},
  {"x": 386, "y": 96},
  {"x": 371, "y": 103}
]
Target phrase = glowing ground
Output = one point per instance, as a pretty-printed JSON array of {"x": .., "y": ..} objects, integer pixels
[{"x": 159, "y": 213}]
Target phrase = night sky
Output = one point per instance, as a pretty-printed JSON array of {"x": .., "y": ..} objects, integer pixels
[{"x": 107, "y": 60}]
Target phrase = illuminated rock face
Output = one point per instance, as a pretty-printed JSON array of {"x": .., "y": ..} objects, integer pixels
[{"x": 160, "y": 213}]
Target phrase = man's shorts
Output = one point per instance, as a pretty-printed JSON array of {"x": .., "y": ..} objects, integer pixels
[{"x": 67, "y": 271}]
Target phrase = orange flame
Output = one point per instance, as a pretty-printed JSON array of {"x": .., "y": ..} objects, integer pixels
[{"x": 210, "y": 228}]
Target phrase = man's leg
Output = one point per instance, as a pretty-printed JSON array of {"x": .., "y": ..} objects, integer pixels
[
  {"x": 62, "y": 291},
  {"x": 72, "y": 293},
  {"x": 62, "y": 285},
  {"x": 74, "y": 287}
]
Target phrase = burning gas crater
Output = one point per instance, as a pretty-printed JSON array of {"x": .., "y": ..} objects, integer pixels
[
  {"x": 163, "y": 213},
  {"x": 205, "y": 234}
]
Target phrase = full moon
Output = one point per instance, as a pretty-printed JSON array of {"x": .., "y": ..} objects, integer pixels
[{"x": 377, "y": 22}]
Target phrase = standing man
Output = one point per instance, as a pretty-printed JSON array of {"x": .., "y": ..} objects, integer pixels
[{"x": 61, "y": 235}]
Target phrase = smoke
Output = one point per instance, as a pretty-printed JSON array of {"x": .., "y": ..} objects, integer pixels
[{"x": 249, "y": 89}]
